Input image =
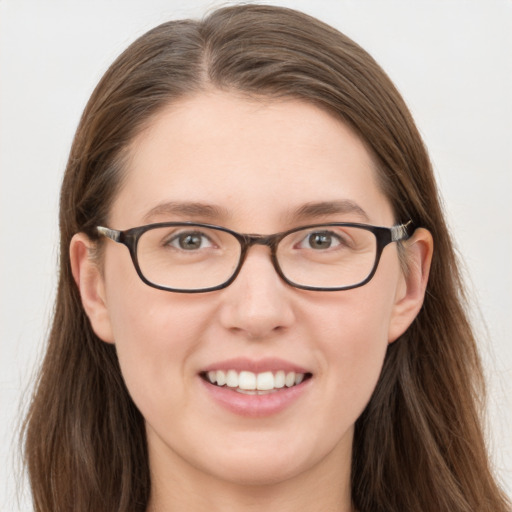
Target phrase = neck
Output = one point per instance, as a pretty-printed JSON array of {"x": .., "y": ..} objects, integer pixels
[
  {"x": 324, "y": 487},
  {"x": 285, "y": 497}
]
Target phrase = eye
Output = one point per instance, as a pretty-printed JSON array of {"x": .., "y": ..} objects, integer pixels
[
  {"x": 190, "y": 241},
  {"x": 320, "y": 240}
]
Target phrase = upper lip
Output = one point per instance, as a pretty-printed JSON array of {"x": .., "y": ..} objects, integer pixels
[{"x": 255, "y": 365}]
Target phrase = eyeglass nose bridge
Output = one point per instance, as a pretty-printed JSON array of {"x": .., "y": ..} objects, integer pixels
[{"x": 248, "y": 240}]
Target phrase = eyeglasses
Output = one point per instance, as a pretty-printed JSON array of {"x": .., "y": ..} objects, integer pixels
[{"x": 192, "y": 258}]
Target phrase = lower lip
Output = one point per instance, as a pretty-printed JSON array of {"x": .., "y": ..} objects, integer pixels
[{"x": 255, "y": 406}]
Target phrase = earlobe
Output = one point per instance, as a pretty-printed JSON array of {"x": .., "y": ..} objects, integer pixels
[
  {"x": 90, "y": 283},
  {"x": 409, "y": 298}
]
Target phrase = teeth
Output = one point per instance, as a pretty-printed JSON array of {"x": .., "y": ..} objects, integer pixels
[
  {"x": 232, "y": 379},
  {"x": 246, "y": 380},
  {"x": 265, "y": 381},
  {"x": 221, "y": 378},
  {"x": 251, "y": 383},
  {"x": 254, "y": 391},
  {"x": 279, "y": 379},
  {"x": 289, "y": 380}
]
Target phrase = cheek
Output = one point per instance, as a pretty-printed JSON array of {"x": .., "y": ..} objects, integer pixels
[
  {"x": 142, "y": 336},
  {"x": 355, "y": 335},
  {"x": 146, "y": 321},
  {"x": 356, "y": 353},
  {"x": 154, "y": 332}
]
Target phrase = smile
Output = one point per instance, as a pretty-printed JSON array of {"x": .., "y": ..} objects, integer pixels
[{"x": 251, "y": 383}]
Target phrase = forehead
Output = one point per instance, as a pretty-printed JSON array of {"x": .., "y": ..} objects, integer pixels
[{"x": 251, "y": 159}]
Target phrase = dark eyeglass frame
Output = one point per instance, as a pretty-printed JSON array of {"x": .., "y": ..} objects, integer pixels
[{"x": 383, "y": 235}]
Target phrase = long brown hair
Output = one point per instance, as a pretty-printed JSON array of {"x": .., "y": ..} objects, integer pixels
[{"x": 418, "y": 445}]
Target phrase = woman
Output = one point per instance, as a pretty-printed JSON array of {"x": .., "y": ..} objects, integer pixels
[{"x": 285, "y": 326}]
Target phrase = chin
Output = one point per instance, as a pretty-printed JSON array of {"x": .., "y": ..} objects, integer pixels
[
  {"x": 258, "y": 473},
  {"x": 266, "y": 461}
]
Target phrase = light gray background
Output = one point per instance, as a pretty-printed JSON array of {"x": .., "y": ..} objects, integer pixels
[{"x": 452, "y": 60}]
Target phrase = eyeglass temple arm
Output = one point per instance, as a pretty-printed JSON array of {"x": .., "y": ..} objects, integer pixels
[
  {"x": 400, "y": 232},
  {"x": 109, "y": 233}
]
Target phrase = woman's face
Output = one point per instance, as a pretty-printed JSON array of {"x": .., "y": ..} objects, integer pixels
[{"x": 254, "y": 167}]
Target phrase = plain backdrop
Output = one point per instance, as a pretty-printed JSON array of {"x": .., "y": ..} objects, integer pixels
[{"x": 452, "y": 61}]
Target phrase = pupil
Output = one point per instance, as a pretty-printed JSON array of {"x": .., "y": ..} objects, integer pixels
[
  {"x": 320, "y": 241},
  {"x": 190, "y": 242}
]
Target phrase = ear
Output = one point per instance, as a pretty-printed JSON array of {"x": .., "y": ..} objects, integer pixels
[
  {"x": 90, "y": 282},
  {"x": 411, "y": 290}
]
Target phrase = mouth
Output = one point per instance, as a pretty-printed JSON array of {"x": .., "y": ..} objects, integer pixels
[{"x": 250, "y": 383}]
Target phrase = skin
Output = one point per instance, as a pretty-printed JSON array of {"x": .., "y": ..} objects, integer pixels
[{"x": 259, "y": 161}]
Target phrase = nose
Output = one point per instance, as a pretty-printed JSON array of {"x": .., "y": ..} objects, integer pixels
[{"x": 258, "y": 303}]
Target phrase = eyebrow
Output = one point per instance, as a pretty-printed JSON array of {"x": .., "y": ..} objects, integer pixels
[
  {"x": 204, "y": 211},
  {"x": 323, "y": 208},
  {"x": 191, "y": 210}
]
